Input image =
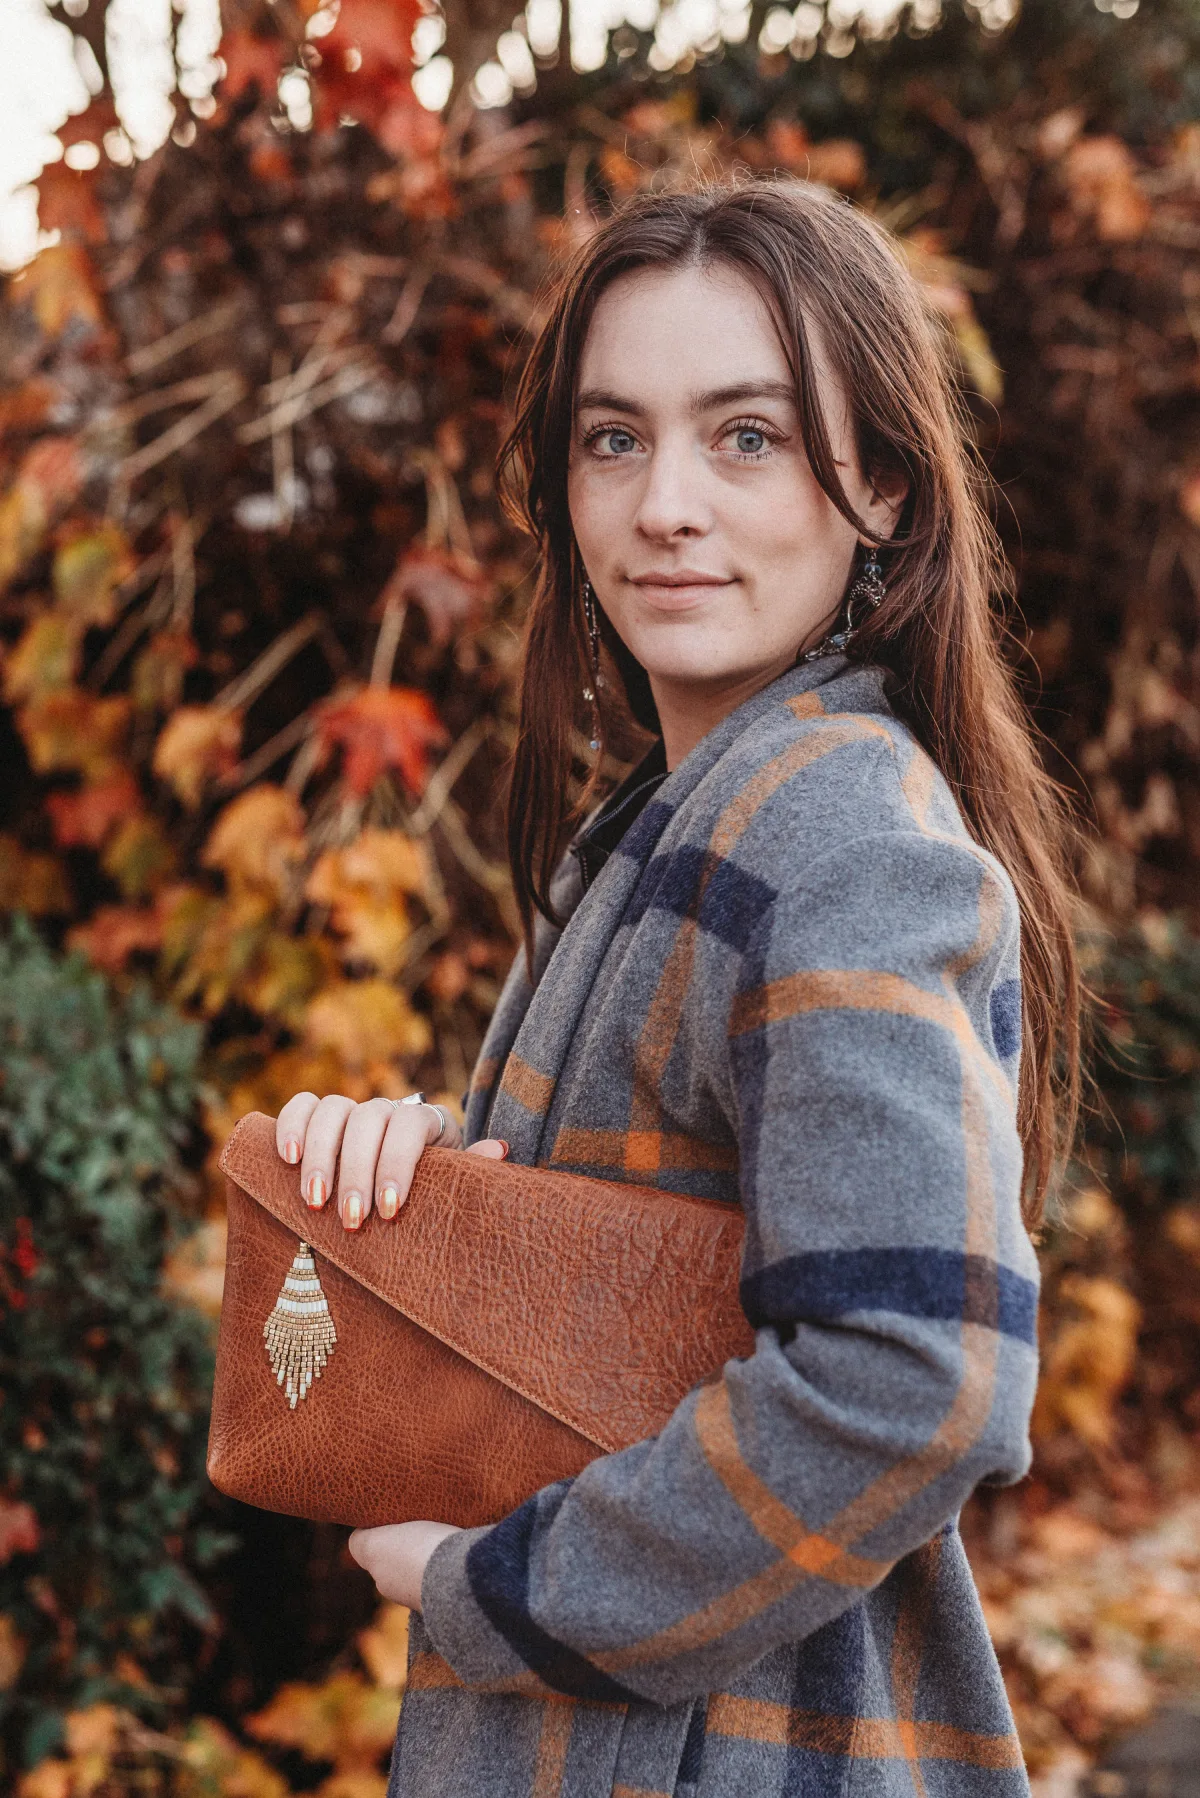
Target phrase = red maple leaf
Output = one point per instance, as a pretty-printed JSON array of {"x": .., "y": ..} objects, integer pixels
[
  {"x": 87, "y": 817},
  {"x": 379, "y": 728},
  {"x": 19, "y": 1534},
  {"x": 366, "y": 61},
  {"x": 248, "y": 59}
]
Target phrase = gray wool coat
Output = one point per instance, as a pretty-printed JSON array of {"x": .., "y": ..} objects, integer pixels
[{"x": 794, "y": 985}]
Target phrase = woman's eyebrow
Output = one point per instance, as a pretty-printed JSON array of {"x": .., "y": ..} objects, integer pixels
[{"x": 737, "y": 393}]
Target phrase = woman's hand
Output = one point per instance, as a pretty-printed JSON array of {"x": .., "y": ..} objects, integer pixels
[
  {"x": 380, "y": 1144},
  {"x": 396, "y": 1556}
]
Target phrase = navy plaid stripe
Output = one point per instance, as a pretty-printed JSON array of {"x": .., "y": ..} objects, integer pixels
[
  {"x": 941, "y": 1285},
  {"x": 498, "y": 1571}
]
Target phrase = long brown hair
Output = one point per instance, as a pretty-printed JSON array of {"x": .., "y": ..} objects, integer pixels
[{"x": 818, "y": 263}]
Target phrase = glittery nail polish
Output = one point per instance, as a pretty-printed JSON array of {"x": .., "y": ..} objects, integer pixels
[
  {"x": 352, "y": 1210},
  {"x": 316, "y": 1192},
  {"x": 389, "y": 1202}
]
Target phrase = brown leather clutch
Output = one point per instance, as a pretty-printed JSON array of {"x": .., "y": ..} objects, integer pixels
[{"x": 509, "y": 1326}]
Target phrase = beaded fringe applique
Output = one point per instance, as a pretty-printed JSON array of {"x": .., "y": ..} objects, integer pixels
[{"x": 299, "y": 1333}]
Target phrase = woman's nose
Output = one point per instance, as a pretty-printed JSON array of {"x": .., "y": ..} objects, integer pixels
[{"x": 673, "y": 501}]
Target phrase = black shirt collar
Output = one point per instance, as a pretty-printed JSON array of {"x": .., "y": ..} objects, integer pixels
[{"x": 597, "y": 840}]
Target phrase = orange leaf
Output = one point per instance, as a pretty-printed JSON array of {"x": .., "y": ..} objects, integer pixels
[
  {"x": 44, "y": 660},
  {"x": 88, "y": 568},
  {"x": 60, "y": 285},
  {"x": 1101, "y": 177},
  {"x": 48, "y": 479},
  {"x": 96, "y": 1730},
  {"x": 198, "y": 744},
  {"x": 379, "y": 728},
  {"x": 365, "y": 886},
  {"x": 345, "y": 1721},
  {"x": 12, "y": 1654},
  {"x": 31, "y": 882},
  {"x": 115, "y": 932},
  {"x": 19, "y": 1534},
  {"x": 67, "y": 201},
  {"x": 258, "y": 838},
  {"x": 89, "y": 816},
  {"x": 194, "y": 1272},
  {"x": 73, "y": 730}
]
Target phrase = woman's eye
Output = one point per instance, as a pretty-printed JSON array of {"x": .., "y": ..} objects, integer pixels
[
  {"x": 616, "y": 442},
  {"x": 750, "y": 440}
]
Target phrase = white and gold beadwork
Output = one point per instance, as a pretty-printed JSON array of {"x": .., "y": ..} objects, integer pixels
[{"x": 299, "y": 1333}]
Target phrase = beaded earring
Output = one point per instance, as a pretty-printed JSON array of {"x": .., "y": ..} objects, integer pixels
[
  {"x": 866, "y": 595},
  {"x": 591, "y": 691}
]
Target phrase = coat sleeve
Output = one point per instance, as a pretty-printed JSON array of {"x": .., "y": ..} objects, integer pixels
[{"x": 870, "y": 1050}]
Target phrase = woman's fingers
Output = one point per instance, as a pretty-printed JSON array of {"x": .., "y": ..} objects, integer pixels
[
  {"x": 292, "y": 1124},
  {"x": 379, "y": 1145},
  {"x": 322, "y": 1141},
  {"x": 410, "y": 1132},
  {"x": 362, "y": 1140}
]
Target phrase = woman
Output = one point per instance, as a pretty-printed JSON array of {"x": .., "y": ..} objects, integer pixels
[{"x": 785, "y": 965}]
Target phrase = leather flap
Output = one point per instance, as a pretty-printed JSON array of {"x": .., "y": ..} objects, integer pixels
[{"x": 601, "y": 1303}]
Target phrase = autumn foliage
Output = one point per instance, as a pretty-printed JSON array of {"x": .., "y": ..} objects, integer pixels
[{"x": 260, "y": 615}]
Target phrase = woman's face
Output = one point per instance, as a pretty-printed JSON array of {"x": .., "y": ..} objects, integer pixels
[{"x": 703, "y": 530}]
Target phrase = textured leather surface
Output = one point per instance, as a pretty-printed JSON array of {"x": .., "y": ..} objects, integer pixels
[{"x": 509, "y": 1325}]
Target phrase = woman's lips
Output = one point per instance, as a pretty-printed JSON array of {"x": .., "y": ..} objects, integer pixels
[{"x": 678, "y": 590}]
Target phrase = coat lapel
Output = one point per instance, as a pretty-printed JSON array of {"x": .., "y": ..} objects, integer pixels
[{"x": 534, "y": 1029}]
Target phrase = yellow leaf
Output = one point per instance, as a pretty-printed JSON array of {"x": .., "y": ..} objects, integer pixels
[
  {"x": 12, "y": 1654},
  {"x": 74, "y": 730},
  {"x": 139, "y": 858},
  {"x": 45, "y": 659},
  {"x": 212, "y": 945},
  {"x": 215, "y": 1765},
  {"x": 287, "y": 973},
  {"x": 365, "y": 887},
  {"x": 88, "y": 569},
  {"x": 365, "y": 1021},
  {"x": 258, "y": 838},
  {"x": 199, "y": 743},
  {"x": 60, "y": 285},
  {"x": 384, "y": 1646},
  {"x": 345, "y": 1721},
  {"x": 32, "y": 882},
  {"x": 1089, "y": 1362}
]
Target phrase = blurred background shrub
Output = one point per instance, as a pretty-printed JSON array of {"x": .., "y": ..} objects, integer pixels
[{"x": 260, "y": 614}]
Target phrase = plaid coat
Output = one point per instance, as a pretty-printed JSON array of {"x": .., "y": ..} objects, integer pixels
[{"x": 794, "y": 984}]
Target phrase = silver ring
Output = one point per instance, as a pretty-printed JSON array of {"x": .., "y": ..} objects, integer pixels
[{"x": 420, "y": 1099}]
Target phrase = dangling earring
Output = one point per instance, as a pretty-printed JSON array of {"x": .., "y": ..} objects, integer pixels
[
  {"x": 866, "y": 595},
  {"x": 591, "y": 691}
]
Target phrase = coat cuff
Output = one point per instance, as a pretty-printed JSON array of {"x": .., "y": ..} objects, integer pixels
[{"x": 458, "y": 1629}]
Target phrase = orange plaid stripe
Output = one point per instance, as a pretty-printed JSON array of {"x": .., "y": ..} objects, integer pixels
[
  {"x": 524, "y": 1084},
  {"x": 641, "y": 1151},
  {"x": 860, "y": 1738}
]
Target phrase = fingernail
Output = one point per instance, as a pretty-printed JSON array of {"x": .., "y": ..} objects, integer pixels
[
  {"x": 352, "y": 1210},
  {"x": 504, "y": 1146},
  {"x": 389, "y": 1202},
  {"x": 316, "y": 1192},
  {"x": 291, "y": 1151}
]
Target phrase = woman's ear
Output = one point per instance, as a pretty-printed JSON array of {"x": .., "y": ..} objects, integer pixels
[{"x": 889, "y": 491}]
